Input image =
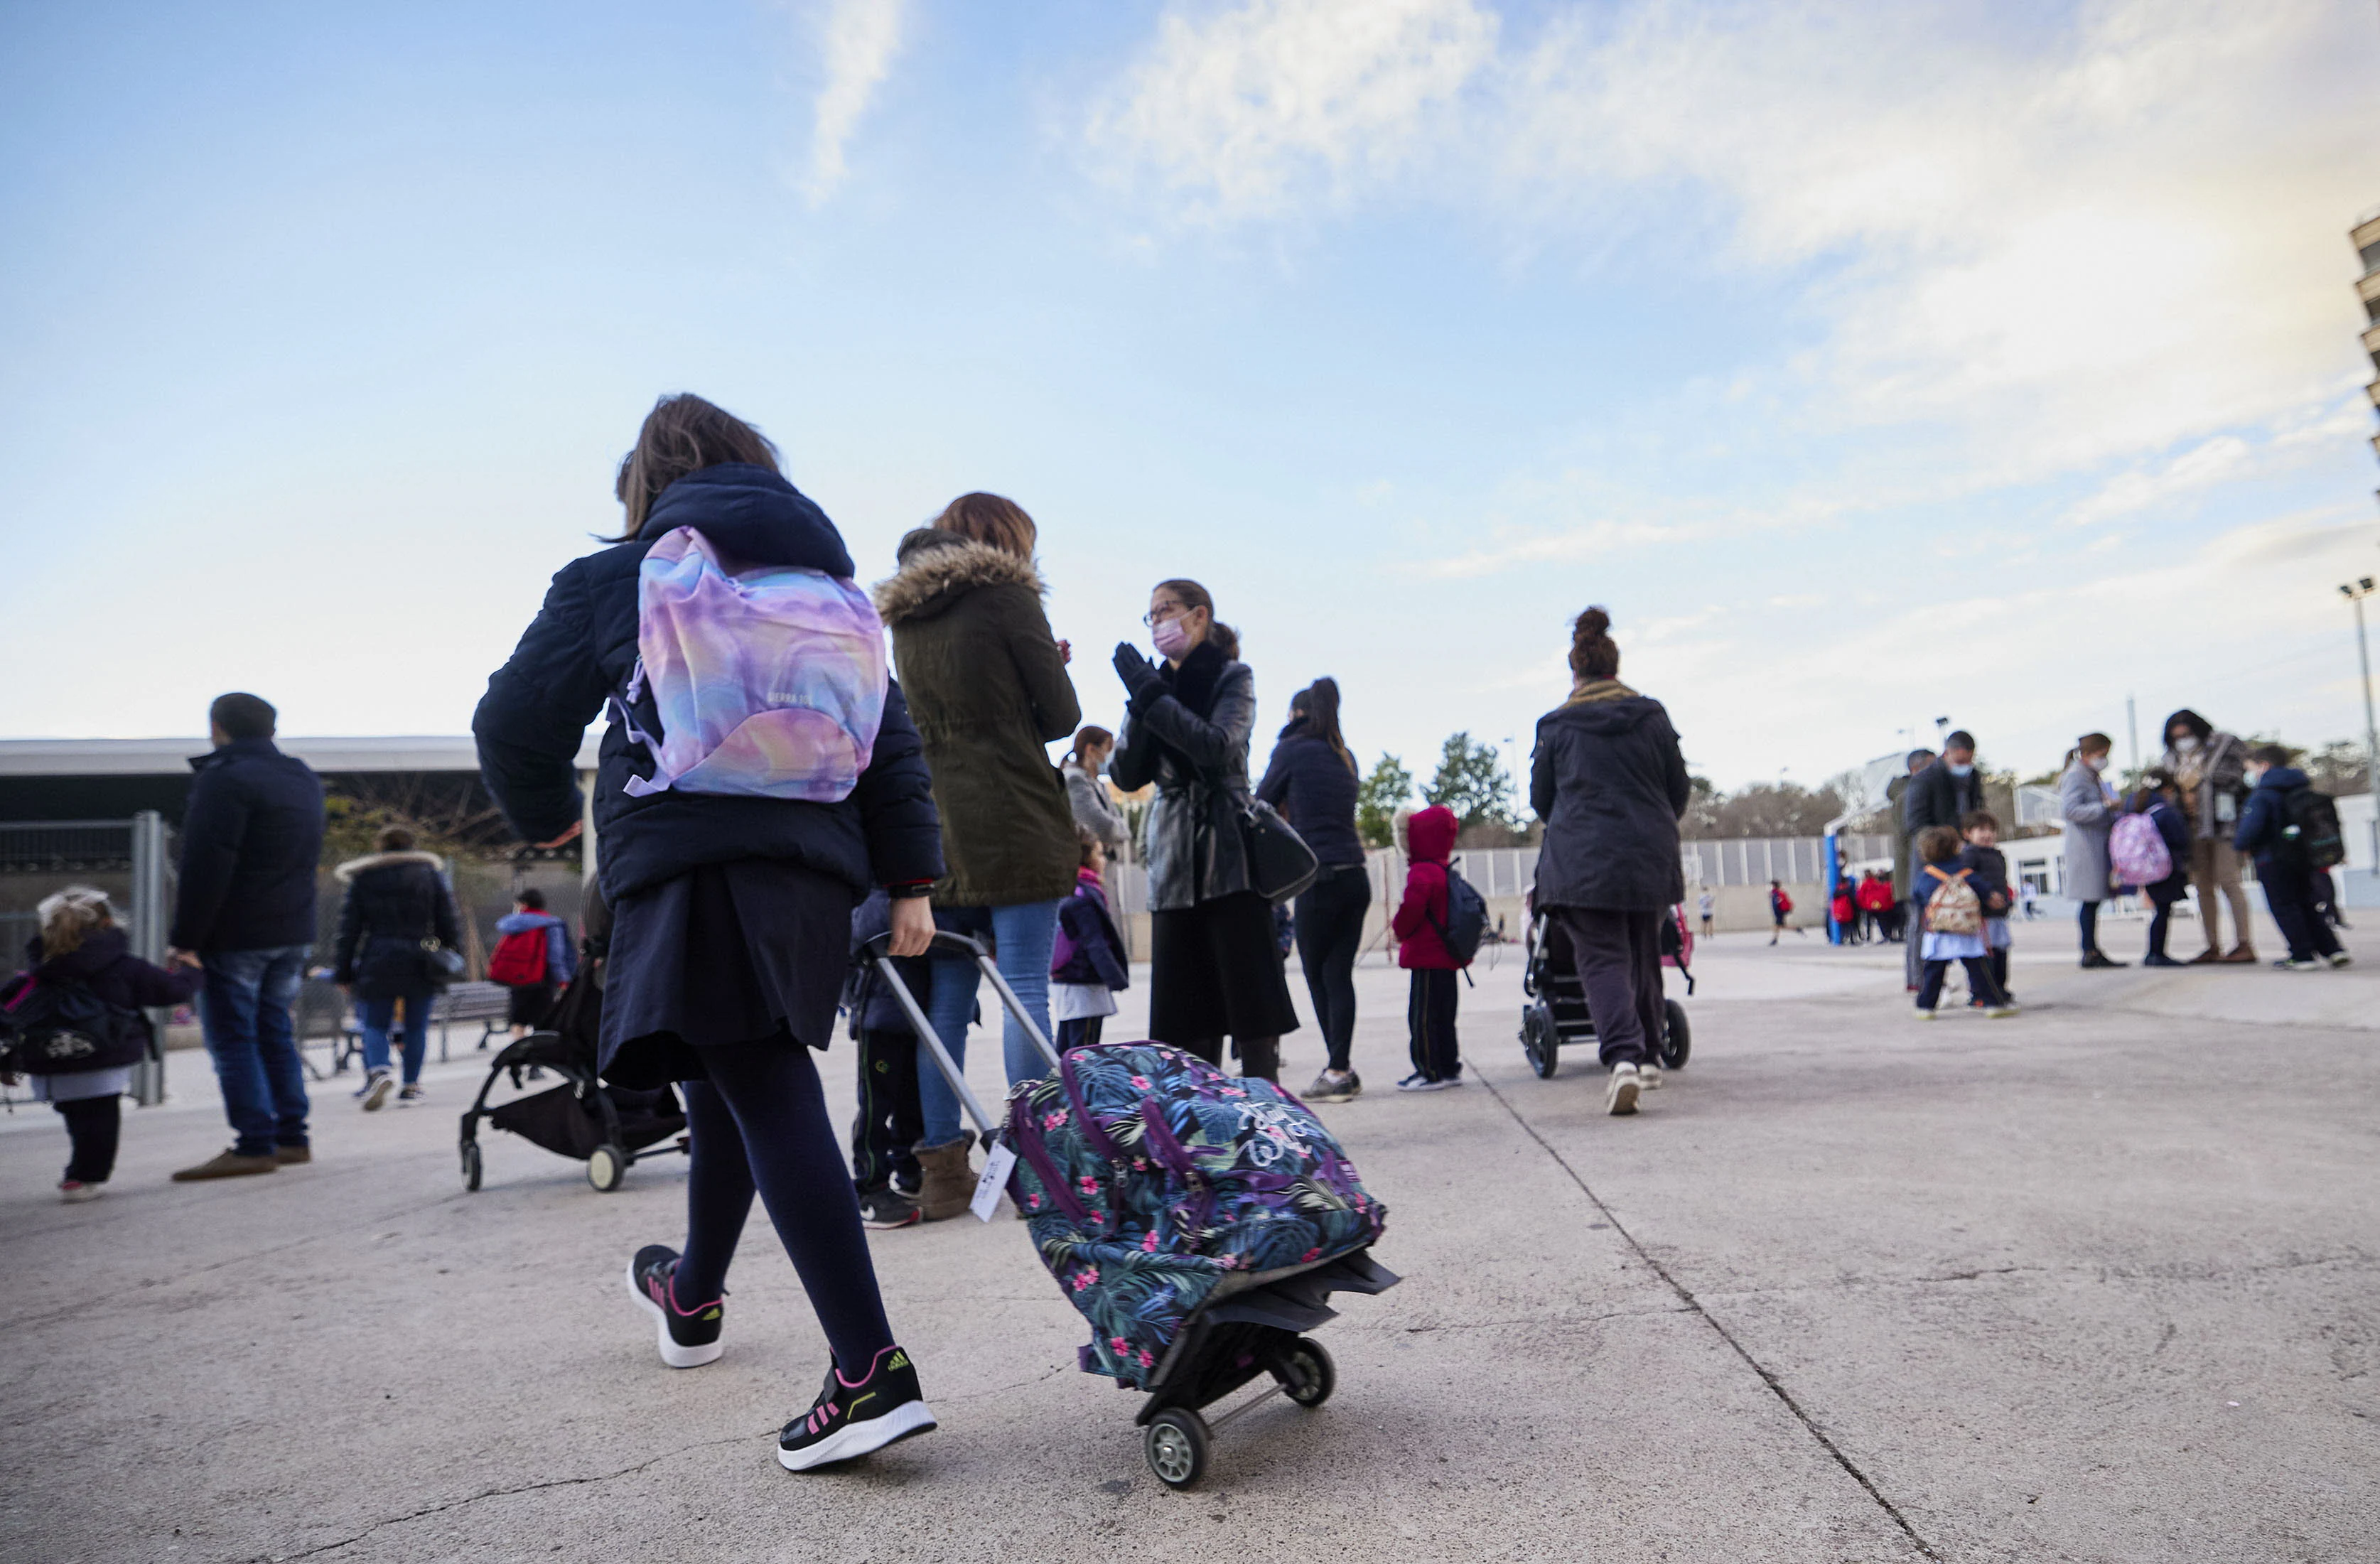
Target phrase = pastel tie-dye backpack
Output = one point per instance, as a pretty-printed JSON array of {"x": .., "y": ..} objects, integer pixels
[
  {"x": 1149, "y": 1178},
  {"x": 768, "y": 682}
]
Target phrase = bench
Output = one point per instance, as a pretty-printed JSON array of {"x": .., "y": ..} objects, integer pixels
[{"x": 323, "y": 1011}]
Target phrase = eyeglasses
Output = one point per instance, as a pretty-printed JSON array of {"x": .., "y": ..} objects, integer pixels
[{"x": 1163, "y": 612}]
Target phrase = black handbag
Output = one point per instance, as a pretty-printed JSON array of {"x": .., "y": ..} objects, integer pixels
[{"x": 1280, "y": 863}]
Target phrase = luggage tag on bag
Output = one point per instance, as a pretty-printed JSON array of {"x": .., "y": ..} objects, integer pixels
[{"x": 987, "y": 1189}]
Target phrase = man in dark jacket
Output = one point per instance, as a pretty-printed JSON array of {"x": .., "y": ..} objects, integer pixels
[
  {"x": 1940, "y": 793},
  {"x": 2281, "y": 866},
  {"x": 244, "y": 911}
]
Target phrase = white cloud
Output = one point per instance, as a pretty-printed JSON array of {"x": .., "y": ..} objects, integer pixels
[{"x": 857, "y": 40}]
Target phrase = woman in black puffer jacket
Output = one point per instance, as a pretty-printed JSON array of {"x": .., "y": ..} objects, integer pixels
[
  {"x": 1214, "y": 968},
  {"x": 1311, "y": 780},
  {"x": 397, "y": 899}
]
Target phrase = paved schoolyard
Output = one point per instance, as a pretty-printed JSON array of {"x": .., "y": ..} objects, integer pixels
[{"x": 2092, "y": 1284}]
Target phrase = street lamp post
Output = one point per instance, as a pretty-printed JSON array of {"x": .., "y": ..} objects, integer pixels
[{"x": 2355, "y": 594}]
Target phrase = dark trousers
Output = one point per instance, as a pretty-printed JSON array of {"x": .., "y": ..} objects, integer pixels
[
  {"x": 2160, "y": 921},
  {"x": 1619, "y": 960},
  {"x": 1430, "y": 1006},
  {"x": 759, "y": 1124},
  {"x": 2289, "y": 893},
  {"x": 1329, "y": 931},
  {"x": 1979, "y": 981},
  {"x": 93, "y": 1124},
  {"x": 1079, "y": 1032},
  {"x": 884, "y": 1137},
  {"x": 1999, "y": 971},
  {"x": 2087, "y": 917},
  {"x": 1912, "y": 939}
]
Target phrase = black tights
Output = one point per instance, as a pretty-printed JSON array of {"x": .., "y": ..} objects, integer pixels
[
  {"x": 2089, "y": 917},
  {"x": 759, "y": 1123},
  {"x": 93, "y": 1124},
  {"x": 1258, "y": 1056}
]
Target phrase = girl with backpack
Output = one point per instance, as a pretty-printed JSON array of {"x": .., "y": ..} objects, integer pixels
[
  {"x": 731, "y": 880},
  {"x": 396, "y": 901},
  {"x": 1419, "y": 924},
  {"x": 1214, "y": 968},
  {"x": 81, "y": 947},
  {"x": 1955, "y": 898},
  {"x": 2156, "y": 810},
  {"x": 531, "y": 959}
]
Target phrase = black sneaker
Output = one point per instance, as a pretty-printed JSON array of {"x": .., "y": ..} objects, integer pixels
[
  {"x": 689, "y": 1338},
  {"x": 849, "y": 1420},
  {"x": 908, "y": 1180},
  {"x": 884, "y": 1208}
]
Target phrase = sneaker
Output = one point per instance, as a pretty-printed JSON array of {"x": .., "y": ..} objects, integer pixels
[
  {"x": 1417, "y": 1082},
  {"x": 884, "y": 1208},
  {"x": 1925, "y": 1014},
  {"x": 228, "y": 1164},
  {"x": 851, "y": 1418},
  {"x": 377, "y": 1086},
  {"x": 74, "y": 1192},
  {"x": 1329, "y": 1088},
  {"x": 2340, "y": 958},
  {"x": 2291, "y": 963},
  {"x": 908, "y": 1182},
  {"x": 689, "y": 1338},
  {"x": 1999, "y": 1012},
  {"x": 411, "y": 1095},
  {"x": 1620, "y": 1096},
  {"x": 1649, "y": 1078}
]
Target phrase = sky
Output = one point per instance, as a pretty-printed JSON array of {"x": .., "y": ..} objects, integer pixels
[{"x": 1871, "y": 363}]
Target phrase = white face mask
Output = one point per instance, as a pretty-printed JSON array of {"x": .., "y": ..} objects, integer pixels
[
  {"x": 2184, "y": 745},
  {"x": 2096, "y": 762}
]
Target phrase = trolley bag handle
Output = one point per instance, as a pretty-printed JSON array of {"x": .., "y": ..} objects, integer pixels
[{"x": 876, "y": 953}]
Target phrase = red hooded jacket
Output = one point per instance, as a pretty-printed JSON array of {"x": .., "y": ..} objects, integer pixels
[{"x": 1429, "y": 838}]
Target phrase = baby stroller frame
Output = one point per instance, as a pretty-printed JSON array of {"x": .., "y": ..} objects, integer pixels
[
  {"x": 1557, "y": 1012},
  {"x": 1250, "y": 1326}
]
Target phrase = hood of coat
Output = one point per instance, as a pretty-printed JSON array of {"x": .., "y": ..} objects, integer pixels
[
  {"x": 354, "y": 866},
  {"x": 752, "y": 516},
  {"x": 1606, "y": 715},
  {"x": 517, "y": 923},
  {"x": 100, "y": 950},
  {"x": 1429, "y": 834},
  {"x": 938, "y": 568}
]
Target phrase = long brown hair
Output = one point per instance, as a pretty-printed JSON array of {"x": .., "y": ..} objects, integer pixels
[
  {"x": 1318, "y": 704},
  {"x": 683, "y": 434},
  {"x": 1226, "y": 639},
  {"x": 990, "y": 518}
]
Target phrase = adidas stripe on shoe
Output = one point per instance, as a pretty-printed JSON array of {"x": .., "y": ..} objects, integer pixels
[
  {"x": 689, "y": 1337},
  {"x": 850, "y": 1419}
]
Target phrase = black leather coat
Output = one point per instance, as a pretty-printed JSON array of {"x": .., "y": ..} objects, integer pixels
[{"x": 1191, "y": 739}]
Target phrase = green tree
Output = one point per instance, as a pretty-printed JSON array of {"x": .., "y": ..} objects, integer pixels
[
  {"x": 1378, "y": 799},
  {"x": 1473, "y": 783}
]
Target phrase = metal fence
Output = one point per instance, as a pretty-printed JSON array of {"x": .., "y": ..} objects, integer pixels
[{"x": 131, "y": 860}]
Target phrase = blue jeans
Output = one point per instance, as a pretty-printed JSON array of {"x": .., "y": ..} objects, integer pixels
[
  {"x": 246, "y": 1005},
  {"x": 375, "y": 1016},
  {"x": 1023, "y": 935}
]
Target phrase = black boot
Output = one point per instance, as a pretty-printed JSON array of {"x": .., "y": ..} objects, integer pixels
[{"x": 1260, "y": 1056}]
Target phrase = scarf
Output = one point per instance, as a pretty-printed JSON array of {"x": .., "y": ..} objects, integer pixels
[{"x": 1598, "y": 689}]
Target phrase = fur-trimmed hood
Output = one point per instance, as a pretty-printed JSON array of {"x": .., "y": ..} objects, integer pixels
[
  {"x": 938, "y": 568},
  {"x": 354, "y": 866}
]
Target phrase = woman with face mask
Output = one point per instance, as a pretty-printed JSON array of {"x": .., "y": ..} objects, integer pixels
[
  {"x": 1214, "y": 968},
  {"x": 2088, "y": 802},
  {"x": 2210, "y": 768}
]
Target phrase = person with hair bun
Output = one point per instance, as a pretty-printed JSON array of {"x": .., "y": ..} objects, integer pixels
[
  {"x": 81, "y": 944},
  {"x": 1608, "y": 780},
  {"x": 1214, "y": 967}
]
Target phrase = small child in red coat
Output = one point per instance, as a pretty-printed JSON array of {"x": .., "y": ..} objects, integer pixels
[{"x": 1419, "y": 921}]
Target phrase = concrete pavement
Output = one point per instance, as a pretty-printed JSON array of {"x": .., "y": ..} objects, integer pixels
[{"x": 2094, "y": 1283}]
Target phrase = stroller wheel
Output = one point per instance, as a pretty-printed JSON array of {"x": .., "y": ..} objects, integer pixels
[
  {"x": 1175, "y": 1444},
  {"x": 1306, "y": 1374},
  {"x": 470, "y": 1166},
  {"x": 1540, "y": 1041},
  {"x": 1677, "y": 1037},
  {"x": 607, "y": 1167}
]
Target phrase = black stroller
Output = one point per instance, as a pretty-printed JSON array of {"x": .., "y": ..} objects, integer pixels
[
  {"x": 1250, "y": 1327},
  {"x": 1557, "y": 1000},
  {"x": 609, "y": 1128}
]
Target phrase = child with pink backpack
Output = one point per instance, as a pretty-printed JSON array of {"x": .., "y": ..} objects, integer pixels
[{"x": 2149, "y": 846}]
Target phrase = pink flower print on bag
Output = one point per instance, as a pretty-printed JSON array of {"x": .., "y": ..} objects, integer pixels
[{"x": 768, "y": 682}]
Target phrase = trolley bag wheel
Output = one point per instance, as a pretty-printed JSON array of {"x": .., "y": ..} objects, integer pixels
[
  {"x": 470, "y": 1166},
  {"x": 1540, "y": 1041},
  {"x": 1677, "y": 1037},
  {"x": 606, "y": 1166},
  {"x": 1306, "y": 1374},
  {"x": 1176, "y": 1443}
]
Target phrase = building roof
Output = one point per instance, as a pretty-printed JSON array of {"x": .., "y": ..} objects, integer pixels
[{"x": 171, "y": 757}]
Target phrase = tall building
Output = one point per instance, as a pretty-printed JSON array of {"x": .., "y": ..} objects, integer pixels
[{"x": 2365, "y": 237}]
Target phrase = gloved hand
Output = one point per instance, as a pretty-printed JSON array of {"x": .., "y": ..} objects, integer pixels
[{"x": 1139, "y": 675}]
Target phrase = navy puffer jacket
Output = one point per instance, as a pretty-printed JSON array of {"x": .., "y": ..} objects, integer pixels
[
  {"x": 579, "y": 651},
  {"x": 1314, "y": 787}
]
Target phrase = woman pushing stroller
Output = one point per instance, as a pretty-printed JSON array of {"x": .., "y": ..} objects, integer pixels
[{"x": 731, "y": 870}]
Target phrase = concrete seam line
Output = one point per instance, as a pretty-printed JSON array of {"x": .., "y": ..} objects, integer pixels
[{"x": 1693, "y": 1305}]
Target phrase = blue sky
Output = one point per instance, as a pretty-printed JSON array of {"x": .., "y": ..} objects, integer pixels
[{"x": 1870, "y": 363}]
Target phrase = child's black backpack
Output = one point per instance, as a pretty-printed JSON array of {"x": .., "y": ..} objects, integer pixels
[
  {"x": 2310, "y": 828},
  {"x": 1466, "y": 918},
  {"x": 54, "y": 1026}
]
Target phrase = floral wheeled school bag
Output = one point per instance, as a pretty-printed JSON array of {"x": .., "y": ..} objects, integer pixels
[
  {"x": 767, "y": 681},
  {"x": 1954, "y": 908},
  {"x": 2138, "y": 850},
  {"x": 1147, "y": 1176}
]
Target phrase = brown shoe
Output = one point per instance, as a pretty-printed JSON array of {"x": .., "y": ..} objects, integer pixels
[
  {"x": 2240, "y": 956},
  {"x": 2209, "y": 954},
  {"x": 228, "y": 1165},
  {"x": 948, "y": 1184},
  {"x": 288, "y": 1154}
]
